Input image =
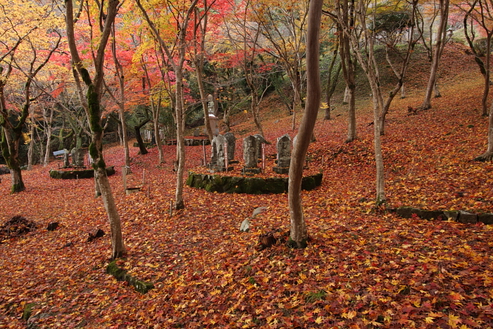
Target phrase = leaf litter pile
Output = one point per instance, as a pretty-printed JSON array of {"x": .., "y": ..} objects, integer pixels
[{"x": 364, "y": 267}]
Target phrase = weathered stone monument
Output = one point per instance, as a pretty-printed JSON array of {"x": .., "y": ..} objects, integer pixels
[
  {"x": 66, "y": 160},
  {"x": 258, "y": 147},
  {"x": 212, "y": 117},
  {"x": 78, "y": 155},
  {"x": 231, "y": 142},
  {"x": 218, "y": 157},
  {"x": 250, "y": 155},
  {"x": 283, "y": 154}
]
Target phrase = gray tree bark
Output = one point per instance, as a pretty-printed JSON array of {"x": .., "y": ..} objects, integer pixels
[{"x": 298, "y": 233}]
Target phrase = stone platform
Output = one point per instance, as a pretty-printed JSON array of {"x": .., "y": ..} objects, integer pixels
[{"x": 250, "y": 185}]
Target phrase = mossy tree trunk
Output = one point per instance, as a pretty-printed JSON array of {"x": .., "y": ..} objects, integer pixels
[
  {"x": 10, "y": 151},
  {"x": 298, "y": 233},
  {"x": 13, "y": 124},
  {"x": 93, "y": 94}
]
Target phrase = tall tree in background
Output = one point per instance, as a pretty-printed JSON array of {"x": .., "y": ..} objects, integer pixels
[
  {"x": 333, "y": 72},
  {"x": 283, "y": 25},
  {"x": 26, "y": 49},
  {"x": 244, "y": 36},
  {"x": 298, "y": 233},
  {"x": 436, "y": 51},
  {"x": 364, "y": 50},
  {"x": 479, "y": 13},
  {"x": 198, "y": 55},
  {"x": 345, "y": 18},
  {"x": 93, "y": 95},
  {"x": 120, "y": 98},
  {"x": 174, "y": 49}
]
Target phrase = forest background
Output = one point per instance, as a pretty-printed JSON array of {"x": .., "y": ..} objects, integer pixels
[{"x": 363, "y": 266}]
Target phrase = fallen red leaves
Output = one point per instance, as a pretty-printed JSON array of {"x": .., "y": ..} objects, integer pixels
[{"x": 363, "y": 268}]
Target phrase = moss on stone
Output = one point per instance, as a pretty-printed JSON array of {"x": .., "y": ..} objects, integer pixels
[
  {"x": 122, "y": 275},
  {"x": 249, "y": 185}
]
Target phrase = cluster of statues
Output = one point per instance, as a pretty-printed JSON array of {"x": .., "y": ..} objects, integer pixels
[{"x": 223, "y": 153}]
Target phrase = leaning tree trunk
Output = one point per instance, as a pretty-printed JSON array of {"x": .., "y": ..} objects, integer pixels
[
  {"x": 432, "y": 82},
  {"x": 94, "y": 114},
  {"x": 117, "y": 246},
  {"x": 203, "y": 97},
  {"x": 298, "y": 233},
  {"x": 138, "y": 136},
  {"x": 180, "y": 142}
]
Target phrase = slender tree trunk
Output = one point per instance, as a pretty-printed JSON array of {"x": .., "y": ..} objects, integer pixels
[
  {"x": 332, "y": 78},
  {"x": 138, "y": 136},
  {"x": 156, "y": 110},
  {"x": 126, "y": 150},
  {"x": 351, "y": 135},
  {"x": 94, "y": 114},
  {"x": 380, "y": 177},
  {"x": 348, "y": 69},
  {"x": 180, "y": 142},
  {"x": 486, "y": 75},
  {"x": 117, "y": 246},
  {"x": 444, "y": 8},
  {"x": 203, "y": 98},
  {"x": 48, "y": 123},
  {"x": 298, "y": 233},
  {"x": 30, "y": 151},
  {"x": 254, "y": 108},
  {"x": 11, "y": 155},
  {"x": 345, "y": 99}
]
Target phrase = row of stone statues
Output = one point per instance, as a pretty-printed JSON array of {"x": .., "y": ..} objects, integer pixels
[{"x": 223, "y": 152}]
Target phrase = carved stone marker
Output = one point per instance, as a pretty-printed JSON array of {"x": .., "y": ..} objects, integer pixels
[
  {"x": 218, "y": 156},
  {"x": 78, "y": 156},
  {"x": 212, "y": 117},
  {"x": 66, "y": 160},
  {"x": 250, "y": 155},
  {"x": 258, "y": 147},
  {"x": 283, "y": 154},
  {"x": 231, "y": 141}
]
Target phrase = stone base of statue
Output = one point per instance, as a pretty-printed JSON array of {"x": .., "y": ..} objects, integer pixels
[
  {"x": 281, "y": 170},
  {"x": 251, "y": 171}
]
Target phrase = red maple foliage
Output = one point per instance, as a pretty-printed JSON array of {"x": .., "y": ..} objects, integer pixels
[{"x": 363, "y": 268}]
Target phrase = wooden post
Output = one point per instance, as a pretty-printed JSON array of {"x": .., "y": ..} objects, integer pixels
[{"x": 143, "y": 177}]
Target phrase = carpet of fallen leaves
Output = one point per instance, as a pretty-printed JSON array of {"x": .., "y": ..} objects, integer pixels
[{"x": 363, "y": 268}]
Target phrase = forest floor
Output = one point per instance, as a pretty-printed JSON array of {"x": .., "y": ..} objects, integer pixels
[{"x": 363, "y": 267}]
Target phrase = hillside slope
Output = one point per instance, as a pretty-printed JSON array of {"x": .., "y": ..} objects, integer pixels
[{"x": 363, "y": 268}]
